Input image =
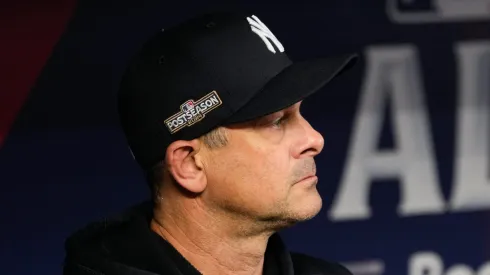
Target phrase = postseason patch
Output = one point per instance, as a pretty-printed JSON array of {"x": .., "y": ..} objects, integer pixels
[{"x": 193, "y": 111}]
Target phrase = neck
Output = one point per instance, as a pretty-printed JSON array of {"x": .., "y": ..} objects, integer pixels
[{"x": 213, "y": 244}]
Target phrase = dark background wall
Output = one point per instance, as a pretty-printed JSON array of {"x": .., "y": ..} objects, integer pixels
[{"x": 64, "y": 161}]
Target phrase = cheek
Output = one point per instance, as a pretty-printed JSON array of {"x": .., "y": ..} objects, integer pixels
[
  {"x": 262, "y": 177},
  {"x": 273, "y": 168},
  {"x": 250, "y": 175}
]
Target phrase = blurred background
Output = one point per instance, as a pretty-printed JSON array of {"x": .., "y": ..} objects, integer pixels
[{"x": 405, "y": 173}]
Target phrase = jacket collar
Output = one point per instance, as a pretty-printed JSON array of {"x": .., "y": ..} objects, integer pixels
[{"x": 126, "y": 245}]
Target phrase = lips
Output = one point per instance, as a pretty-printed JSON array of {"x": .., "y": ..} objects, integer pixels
[
  {"x": 309, "y": 176},
  {"x": 306, "y": 170}
]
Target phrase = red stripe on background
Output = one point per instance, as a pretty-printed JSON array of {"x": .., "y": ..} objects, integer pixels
[{"x": 29, "y": 29}]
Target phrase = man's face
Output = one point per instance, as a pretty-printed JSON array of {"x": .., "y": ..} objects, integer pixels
[{"x": 266, "y": 171}]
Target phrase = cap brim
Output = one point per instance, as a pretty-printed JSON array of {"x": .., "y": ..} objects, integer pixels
[{"x": 292, "y": 85}]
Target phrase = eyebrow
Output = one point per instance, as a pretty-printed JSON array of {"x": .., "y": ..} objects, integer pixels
[
  {"x": 286, "y": 111},
  {"x": 291, "y": 108}
]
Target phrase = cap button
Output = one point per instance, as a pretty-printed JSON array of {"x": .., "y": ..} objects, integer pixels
[
  {"x": 161, "y": 60},
  {"x": 210, "y": 25}
]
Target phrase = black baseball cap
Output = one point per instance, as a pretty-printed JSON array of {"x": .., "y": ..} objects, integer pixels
[{"x": 211, "y": 70}]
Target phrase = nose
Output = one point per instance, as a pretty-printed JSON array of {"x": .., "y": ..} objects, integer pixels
[{"x": 311, "y": 142}]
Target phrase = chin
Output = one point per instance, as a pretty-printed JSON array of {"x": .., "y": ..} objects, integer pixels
[
  {"x": 306, "y": 203},
  {"x": 307, "y": 208},
  {"x": 299, "y": 209},
  {"x": 303, "y": 209}
]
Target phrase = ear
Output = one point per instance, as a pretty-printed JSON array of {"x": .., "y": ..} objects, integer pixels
[{"x": 185, "y": 165}]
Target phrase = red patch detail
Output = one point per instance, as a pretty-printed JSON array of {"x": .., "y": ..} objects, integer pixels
[{"x": 29, "y": 30}]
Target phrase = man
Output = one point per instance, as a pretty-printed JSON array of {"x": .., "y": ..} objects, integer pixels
[{"x": 211, "y": 111}]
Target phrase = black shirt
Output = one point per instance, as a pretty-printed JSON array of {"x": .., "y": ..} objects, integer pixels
[
  {"x": 186, "y": 268},
  {"x": 126, "y": 245}
]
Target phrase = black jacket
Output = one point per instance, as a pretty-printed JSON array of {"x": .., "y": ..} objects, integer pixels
[{"x": 125, "y": 245}]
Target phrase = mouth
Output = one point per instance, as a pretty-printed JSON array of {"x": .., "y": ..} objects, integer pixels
[{"x": 308, "y": 178}]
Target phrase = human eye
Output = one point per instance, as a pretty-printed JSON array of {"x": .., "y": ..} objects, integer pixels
[
  {"x": 272, "y": 121},
  {"x": 279, "y": 122}
]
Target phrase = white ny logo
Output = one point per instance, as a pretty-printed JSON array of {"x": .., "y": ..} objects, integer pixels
[{"x": 264, "y": 33}]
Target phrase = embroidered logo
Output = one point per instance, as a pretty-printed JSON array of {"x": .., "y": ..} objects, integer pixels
[
  {"x": 193, "y": 111},
  {"x": 265, "y": 34}
]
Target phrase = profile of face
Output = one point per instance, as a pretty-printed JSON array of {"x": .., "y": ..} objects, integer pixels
[{"x": 267, "y": 171}]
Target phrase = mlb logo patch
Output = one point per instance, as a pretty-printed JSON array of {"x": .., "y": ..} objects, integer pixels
[
  {"x": 192, "y": 112},
  {"x": 188, "y": 105}
]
